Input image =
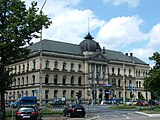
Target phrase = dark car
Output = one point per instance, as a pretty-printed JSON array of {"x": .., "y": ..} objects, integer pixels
[
  {"x": 73, "y": 110},
  {"x": 153, "y": 102},
  {"x": 28, "y": 113}
]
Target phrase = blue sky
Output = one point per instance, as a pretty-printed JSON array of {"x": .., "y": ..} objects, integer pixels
[{"x": 130, "y": 26}]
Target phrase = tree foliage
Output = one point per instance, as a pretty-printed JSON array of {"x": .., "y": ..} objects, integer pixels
[
  {"x": 18, "y": 25},
  {"x": 152, "y": 82}
]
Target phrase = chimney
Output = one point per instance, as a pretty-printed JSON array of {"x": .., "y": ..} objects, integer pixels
[
  {"x": 131, "y": 54},
  {"x": 104, "y": 50},
  {"x": 126, "y": 54}
]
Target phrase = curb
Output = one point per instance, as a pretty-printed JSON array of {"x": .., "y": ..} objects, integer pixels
[{"x": 149, "y": 115}]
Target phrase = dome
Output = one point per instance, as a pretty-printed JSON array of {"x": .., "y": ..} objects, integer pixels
[{"x": 88, "y": 44}]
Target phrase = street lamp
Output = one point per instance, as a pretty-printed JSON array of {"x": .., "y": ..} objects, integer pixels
[
  {"x": 40, "y": 51},
  {"x": 124, "y": 84}
]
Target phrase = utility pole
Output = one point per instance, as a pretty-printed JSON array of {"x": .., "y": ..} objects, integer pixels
[
  {"x": 124, "y": 91},
  {"x": 40, "y": 51}
]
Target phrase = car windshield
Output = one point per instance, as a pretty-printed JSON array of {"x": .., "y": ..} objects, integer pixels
[
  {"x": 26, "y": 109},
  {"x": 78, "y": 106}
]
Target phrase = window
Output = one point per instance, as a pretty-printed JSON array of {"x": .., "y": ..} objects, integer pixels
[
  {"x": 72, "y": 80},
  {"x": 55, "y": 65},
  {"x": 64, "y": 80},
  {"x": 46, "y": 95},
  {"x": 72, "y": 66},
  {"x": 72, "y": 94},
  {"x": 47, "y": 64},
  {"x": 119, "y": 94},
  {"x": 64, "y": 66},
  {"x": 33, "y": 79},
  {"x": 112, "y": 70},
  {"x": 22, "y": 80},
  {"x": 15, "y": 70},
  {"x": 14, "y": 82},
  {"x": 19, "y": 68},
  {"x": 119, "y": 83},
  {"x": 129, "y": 72},
  {"x": 64, "y": 93},
  {"x": 55, "y": 93},
  {"x": 140, "y": 84},
  {"x": 27, "y": 66},
  {"x": 34, "y": 64},
  {"x": 47, "y": 79},
  {"x": 55, "y": 79},
  {"x": 18, "y": 81},
  {"x": 23, "y": 67},
  {"x": 79, "y": 67},
  {"x": 79, "y": 81},
  {"x": 137, "y": 84},
  {"x": 118, "y": 71},
  {"x": 26, "y": 80},
  {"x": 26, "y": 93}
]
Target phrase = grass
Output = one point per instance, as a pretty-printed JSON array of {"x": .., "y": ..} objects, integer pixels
[
  {"x": 148, "y": 110},
  {"x": 122, "y": 107},
  {"x": 151, "y": 110}
]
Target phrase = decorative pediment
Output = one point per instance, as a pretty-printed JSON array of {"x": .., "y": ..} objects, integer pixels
[{"x": 99, "y": 56}]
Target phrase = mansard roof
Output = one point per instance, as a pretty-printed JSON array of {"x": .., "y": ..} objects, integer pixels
[{"x": 74, "y": 49}]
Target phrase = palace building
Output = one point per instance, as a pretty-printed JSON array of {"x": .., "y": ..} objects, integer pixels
[{"x": 56, "y": 69}]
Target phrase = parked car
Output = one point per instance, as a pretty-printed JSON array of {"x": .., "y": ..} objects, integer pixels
[
  {"x": 153, "y": 102},
  {"x": 142, "y": 103},
  {"x": 73, "y": 110},
  {"x": 28, "y": 112}
]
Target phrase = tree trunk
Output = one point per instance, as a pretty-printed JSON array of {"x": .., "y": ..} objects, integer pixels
[{"x": 3, "y": 104}]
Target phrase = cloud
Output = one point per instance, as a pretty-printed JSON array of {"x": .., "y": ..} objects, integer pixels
[
  {"x": 70, "y": 26},
  {"x": 131, "y": 3},
  {"x": 154, "y": 36},
  {"x": 121, "y": 31}
]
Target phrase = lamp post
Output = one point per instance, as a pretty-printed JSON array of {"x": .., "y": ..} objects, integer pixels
[
  {"x": 40, "y": 51},
  {"x": 124, "y": 84}
]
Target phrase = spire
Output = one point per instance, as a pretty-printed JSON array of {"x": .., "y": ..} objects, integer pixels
[{"x": 88, "y": 36}]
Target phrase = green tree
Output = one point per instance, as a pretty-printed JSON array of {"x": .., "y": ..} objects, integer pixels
[
  {"x": 18, "y": 25},
  {"x": 151, "y": 82}
]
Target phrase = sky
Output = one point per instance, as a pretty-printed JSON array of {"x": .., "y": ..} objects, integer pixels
[{"x": 129, "y": 26}]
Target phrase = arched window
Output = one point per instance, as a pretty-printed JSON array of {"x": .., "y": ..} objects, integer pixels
[
  {"x": 79, "y": 81},
  {"x": 33, "y": 79},
  {"x": 140, "y": 84},
  {"x": 19, "y": 81},
  {"x": 72, "y": 80},
  {"x": 55, "y": 79},
  {"x": 47, "y": 79},
  {"x": 137, "y": 84},
  {"x": 64, "y": 80}
]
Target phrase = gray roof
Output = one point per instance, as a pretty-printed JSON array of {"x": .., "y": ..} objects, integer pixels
[
  {"x": 56, "y": 46},
  {"x": 74, "y": 49}
]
